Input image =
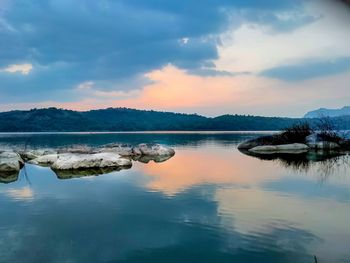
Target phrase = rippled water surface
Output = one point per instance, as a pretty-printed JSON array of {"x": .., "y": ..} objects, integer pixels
[{"x": 209, "y": 203}]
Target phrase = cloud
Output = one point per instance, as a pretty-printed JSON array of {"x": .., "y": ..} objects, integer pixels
[
  {"x": 96, "y": 53},
  {"x": 109, "y": 42},
  {"x": 308, "y": 70},
  {"x": 256, "y": 47},
  {"x": 177, "y": 90},
  {"x": 21, "y": 68}
]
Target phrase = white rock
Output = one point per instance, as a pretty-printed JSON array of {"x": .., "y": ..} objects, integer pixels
[
  {"x": 78, "y": 149},
  {"x": 264, "y": 148},
  {"x": 121, "y": 149},
  {"x": 33, "y": 154},
  {"x": 45, "y": 159},
  {"x": 70, "y": 161},
  {"x": 155, "y": 150},
  {"x": 255, "y": 142},
  {"x": 10, "y": 162},
  {"x": 292, "y": 147},
  {"x": 283, "y": 148}
]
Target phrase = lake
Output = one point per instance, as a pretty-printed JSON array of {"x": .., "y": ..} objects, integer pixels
[{"x": 208, "y": 203}]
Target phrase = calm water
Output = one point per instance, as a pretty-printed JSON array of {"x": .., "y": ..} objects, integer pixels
[{"x": 209, "y": 203}]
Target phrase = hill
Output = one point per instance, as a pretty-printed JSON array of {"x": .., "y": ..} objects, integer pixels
[
  {"x": 124, "y": 119},
  {"x": 323, "y": 112}
]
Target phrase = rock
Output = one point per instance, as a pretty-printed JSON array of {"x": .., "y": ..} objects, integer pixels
[
  {"x": 33, "y": 154},
  {"x": 312, "y": 140},
  {"x": 292, "y": 147},
  {"x": 10, "y": 165},
  {"x": 136, "y": 151},
  {"x": 10, "y": 162},
  {"x": 155, "y": 150},
  {"x": 79, "y": 149},
  {"x": 315, "y": 141},
  {"x": 45, "y": 159},
  {"x": 255, "y": 142},
  {"x": 69, "y": 161},
  {"x": 283, "y": 148},
  {"x": 264, "y": 148},
  {"x": 121, "y": 149},
  {"x": 324, "y": 145},
  {"x": 125, "y": 150}
]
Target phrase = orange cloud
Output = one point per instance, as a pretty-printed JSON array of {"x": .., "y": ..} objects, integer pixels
[{"x": 173, "y": 89}]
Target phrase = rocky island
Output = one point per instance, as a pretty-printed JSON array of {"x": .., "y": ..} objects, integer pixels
[
  {"x": 81, "y": 160},
  {"x": 299, "y": 139}
]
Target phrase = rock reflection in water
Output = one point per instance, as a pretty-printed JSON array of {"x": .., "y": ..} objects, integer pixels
[
  {"x": 69, "y": 174},
  {"x": 326, "y": 161},
  {"x": 8, "y": 177},
  {"x": 77, "y": 173},
  {"x": 156, "y": 159}
]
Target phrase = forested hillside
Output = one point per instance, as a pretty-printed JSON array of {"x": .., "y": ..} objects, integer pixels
[{"x": 123, "y": 119}]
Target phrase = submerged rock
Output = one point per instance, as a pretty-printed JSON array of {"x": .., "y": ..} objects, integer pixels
[{"x": 69, "y": 161}]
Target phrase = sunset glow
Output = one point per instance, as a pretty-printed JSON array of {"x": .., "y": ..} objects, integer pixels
[{"x": 293, "y": 53}]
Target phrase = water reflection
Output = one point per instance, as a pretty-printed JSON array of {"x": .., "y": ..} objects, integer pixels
[
  {"x": 23, "y": 193},
  {"x": 209, "y": 203},
  {"x": 196, "y": 139},
  {"x": 7, "y": 178},
  {"x": 112, "y": 219},
  {"x": 69, "y": 174},
  {"x": 327, "y": 162},
  {"x": 10, "y": 177}
]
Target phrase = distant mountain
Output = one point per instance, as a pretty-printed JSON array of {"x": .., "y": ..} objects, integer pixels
[
  {"x": 323, "y": 112},
  {"x": 124, "y": 119}
]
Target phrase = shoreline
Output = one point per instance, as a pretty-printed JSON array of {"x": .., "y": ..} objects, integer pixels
[{"x": 143, "y": 132}]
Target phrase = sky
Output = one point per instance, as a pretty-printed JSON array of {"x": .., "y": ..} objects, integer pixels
[{"x": 211, "y": 57}]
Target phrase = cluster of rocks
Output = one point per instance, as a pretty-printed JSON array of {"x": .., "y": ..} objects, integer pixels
[
  {"x": 82, "y": 159},
  {"x": 314, "y": 142}
]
